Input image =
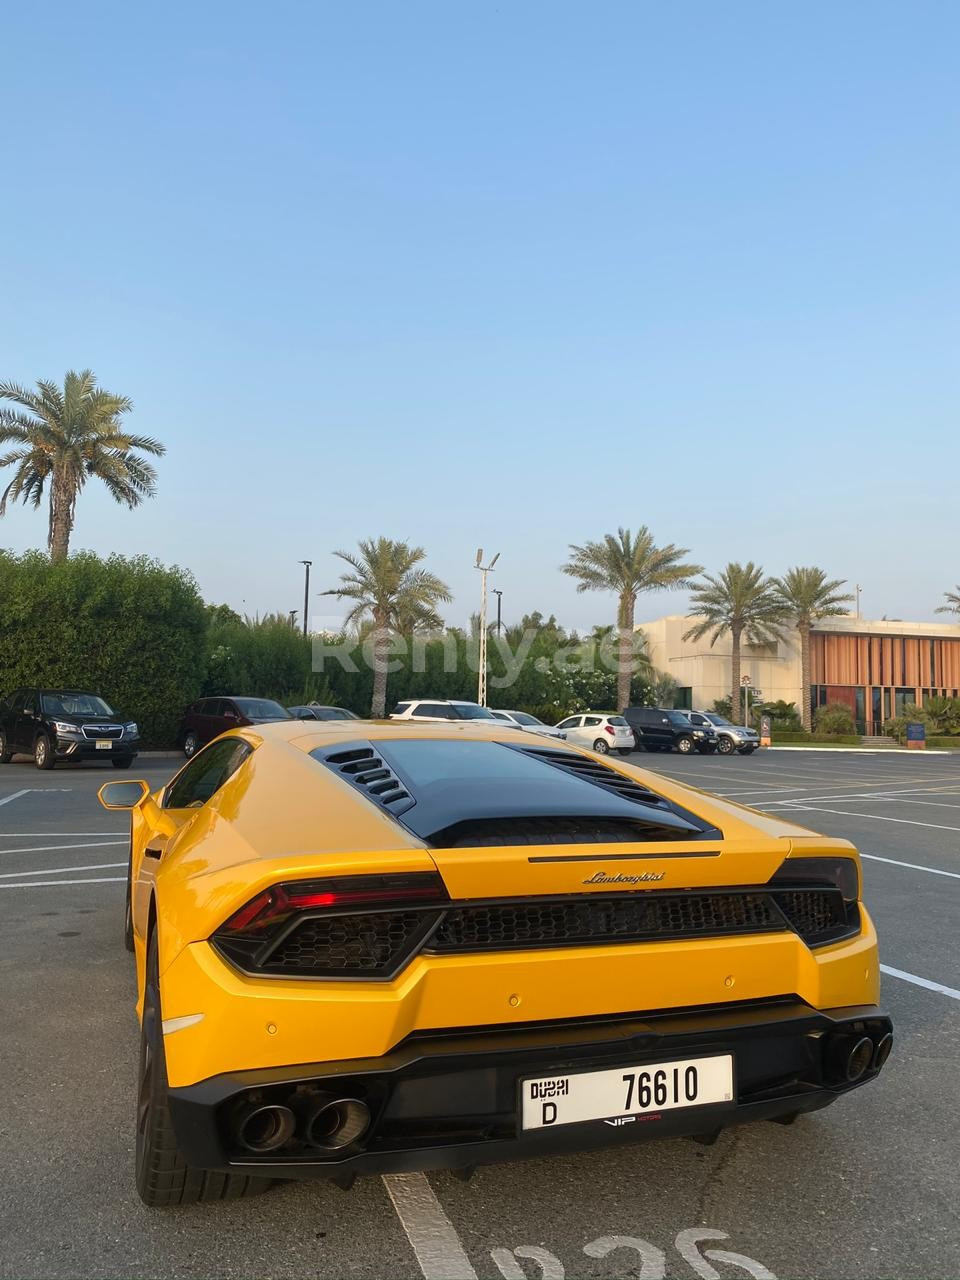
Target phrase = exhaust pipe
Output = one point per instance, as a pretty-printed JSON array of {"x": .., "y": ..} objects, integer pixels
[
  {"x": 333, "y": 1123},
  {"x": 882, "y": 1051},
  {"x": 859, "y": 1058},
  {"x": 263, "y": 1128}
]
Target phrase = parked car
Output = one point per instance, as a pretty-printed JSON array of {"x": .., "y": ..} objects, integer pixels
[
  {"x": 313, "y": 711},
  {"x": 207, "y": 719},
  {"x": 439, "y": 709},
  {"x": 730, "y": 737},
  {"x": 660, "y": 729},
  {"x": 65, "y": 724},
  {"x": 524, "y": 720},
  {"x": 382, "y": 943},
  {"x": 599, "y": 731}
]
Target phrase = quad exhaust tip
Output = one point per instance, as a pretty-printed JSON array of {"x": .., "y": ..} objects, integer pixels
[
  {"x": 263, "y": 1128},
  {"x": 882, "y": 1051},
  {"x": 859, "y": 1058},
  {"x": 334, "y": 1123}
]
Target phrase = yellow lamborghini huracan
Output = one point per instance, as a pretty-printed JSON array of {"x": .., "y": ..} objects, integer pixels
[{"x": 392, "y": 946}]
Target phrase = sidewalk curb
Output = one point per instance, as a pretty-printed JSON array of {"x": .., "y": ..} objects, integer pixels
[{"x": 863, "y": 751}]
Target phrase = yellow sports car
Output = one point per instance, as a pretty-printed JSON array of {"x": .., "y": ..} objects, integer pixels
[{"x": 392, "y": 946}]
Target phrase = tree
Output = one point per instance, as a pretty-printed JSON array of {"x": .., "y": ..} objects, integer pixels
[
  {"x": 743, "y": 602},
  {"x": 387, "y": 587},
  {"x": 628, "y": 566},
  {"x": 953, "y": 602},
  {"x": 808, "y": 594},
  {"x": 663, "y": 688},
  {"x": 66, "y": 437}
]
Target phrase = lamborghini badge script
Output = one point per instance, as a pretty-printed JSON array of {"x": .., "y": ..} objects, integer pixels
[{"x": 601, "y": 877}]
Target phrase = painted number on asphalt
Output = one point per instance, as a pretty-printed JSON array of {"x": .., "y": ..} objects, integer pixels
[{"x": 653, "y": 1260}]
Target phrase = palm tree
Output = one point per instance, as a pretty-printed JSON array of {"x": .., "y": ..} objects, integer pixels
[
  {"x": 66, "y": 436},
  {"x": 808, "y": 594},
  {"x": 388, "y": 589},
  {"x": 628, "y": 566},
  {"x": 953, "y": 602},
  {"x": 744, "y": 603}
]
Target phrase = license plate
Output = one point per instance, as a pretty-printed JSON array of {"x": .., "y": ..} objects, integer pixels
[
  {"x": 625, "y": 1092},
  {"x": 104, "y": 744}
]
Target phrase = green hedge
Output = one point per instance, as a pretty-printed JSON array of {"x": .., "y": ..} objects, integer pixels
[
  {"x": 129, "y": 629},
  {"x": 786, "y": 737},
  {"x": 949, "y": 743}
]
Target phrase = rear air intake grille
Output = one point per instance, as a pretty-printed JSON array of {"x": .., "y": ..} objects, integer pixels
[
  {"x": 367, "y": 771},
  {"x": 593, "y": 771},
  {"x": 366, "y": 945},
  {"x": 819, "y": 915},
  {"x": 593, "y": 920}
]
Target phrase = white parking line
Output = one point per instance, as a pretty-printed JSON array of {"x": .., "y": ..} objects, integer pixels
[
  {"x": 52, "y": 835},
  {"x": 799, "y": 807},
  {"x": 432, "y": 1235},
  {"x": 15, "y": 796},
  {"x": 46, "y": 884},
  {"x": 914, "y": 866},
  {"x": 921, "y": 982},
  {"x": 56, "y": 871},
  {"x": 51, "y": 848}
]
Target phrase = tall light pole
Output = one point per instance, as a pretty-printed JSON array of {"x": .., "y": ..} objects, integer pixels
[
  {"x": 499, "y": 595},
  {"x": 482, "y": 663},
  {"x": 859, "y": 589},
  {"x": 306, "y": 591}
]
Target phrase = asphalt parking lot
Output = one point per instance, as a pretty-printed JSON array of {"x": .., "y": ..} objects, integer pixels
[{"x": 866, "y": 1188}]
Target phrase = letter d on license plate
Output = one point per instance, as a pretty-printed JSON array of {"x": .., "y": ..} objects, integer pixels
[{"x": 626, "y": 1091}]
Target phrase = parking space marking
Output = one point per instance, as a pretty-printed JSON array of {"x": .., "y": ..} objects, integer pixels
[
  {"x": 46, "y": 835},
  {"x": 432, "y": 1235},
  {"x": 52, "y": 848},
  {"x": 56, "y": 871},
  {"x": 49, "y": 884},
  {"x": 15, "y": 796},
  {"x": 913, "y": 866},
  {"x": 921, "y": 982},
  {"x": 800, "y": 807}
]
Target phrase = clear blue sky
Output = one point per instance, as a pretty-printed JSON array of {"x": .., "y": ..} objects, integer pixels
[{"x": 510, "y": 274}]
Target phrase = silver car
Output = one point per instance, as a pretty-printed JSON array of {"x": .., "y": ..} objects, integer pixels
[
  {"x": 524, "y": 720},
  {"x": 730, "y": 737}
]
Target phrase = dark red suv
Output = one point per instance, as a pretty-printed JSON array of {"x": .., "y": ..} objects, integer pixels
[{"x": 207, "y": 719}]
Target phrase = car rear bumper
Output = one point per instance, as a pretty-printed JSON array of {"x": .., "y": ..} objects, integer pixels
[{"x": 451, "y": 1098}]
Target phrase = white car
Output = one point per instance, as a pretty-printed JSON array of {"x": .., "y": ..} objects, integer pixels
[
  {"x": 599, "y": 731},
  {"x": 435, "y": 709},
  {"x": 524, "y": 720}
]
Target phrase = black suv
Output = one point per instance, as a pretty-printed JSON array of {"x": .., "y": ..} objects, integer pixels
[
  {"x": 62, "y": 724},
  {"x": 657, "y": 729}
]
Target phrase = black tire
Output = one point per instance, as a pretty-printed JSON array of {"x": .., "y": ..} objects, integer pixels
[
  {"x": 6, "y": 755},
  {"x": 163, "y": 1179},
  {"x": 191, "y": 744},
  {"x": 685, "y": 745},
  {"x": 625, "y": 751},
  {"x": 601, "y": 748},
  {"x": 43, "y": 753},
  {"x": 725, "y": 746},
  {"x": 707, "y": 749},
  {"x": 122, "y": 762}
]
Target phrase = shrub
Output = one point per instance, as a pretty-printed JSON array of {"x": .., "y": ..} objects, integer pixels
[
  {"x": 834, "y": 718},
  {"x": 128, "y": 629}
]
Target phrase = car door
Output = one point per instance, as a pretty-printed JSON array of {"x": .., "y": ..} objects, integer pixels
[
  {"x": 572, "y": 727},
  {"x": 28, "y": 719},
  {"x": 189, "y": 791},
  {"x": 590, "y": 731},
  {"x": 11, "y": 719}
]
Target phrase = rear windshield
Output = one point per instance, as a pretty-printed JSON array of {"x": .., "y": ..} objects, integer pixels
[
  {"x": 522, "y": 717},
  {"x": 466, "y": 711},
  {"x": 262, "y": 709},
  {"x": 618, "y": 721},
  {"x": 74, "y": 704}
]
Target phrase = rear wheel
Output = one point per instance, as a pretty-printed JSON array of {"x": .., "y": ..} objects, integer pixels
[
  {"x": 725, "y": 746},
  {"x": 43, "y": 753},
  {"x": 600, "y": 747},
  {"x": 685, "y": 745},
  {"x": 6, "y": 755},
  {"x": 163, "y": 1179},
  {"x": 191, "y": 744}
]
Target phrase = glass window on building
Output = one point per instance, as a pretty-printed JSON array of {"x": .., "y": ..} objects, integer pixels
[
  {"x": 860, "y": 708},
  {"x": 902, "y": 697},
  {"x": 683, "y": 698}
]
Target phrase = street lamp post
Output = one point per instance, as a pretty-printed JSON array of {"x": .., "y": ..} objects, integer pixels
[
  {"x": 482, "y": 657},
  {"x": 499, "y": 595},
  {"x": 745, "y": 683},
  {"x": 306, "y": 591}
]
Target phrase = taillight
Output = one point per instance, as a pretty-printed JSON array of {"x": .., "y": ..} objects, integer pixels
[
  {"x": 345, "y": 893},
  {"x": 811, "y": 873},
  {"x": 610, "y": 729}
]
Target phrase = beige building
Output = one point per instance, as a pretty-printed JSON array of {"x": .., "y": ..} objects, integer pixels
[{"x": 874, "y": 668}]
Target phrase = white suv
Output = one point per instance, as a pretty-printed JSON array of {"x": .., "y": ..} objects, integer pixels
[
  {"x": 600, "y": 732},
  {"x": 436, "y": 709}
]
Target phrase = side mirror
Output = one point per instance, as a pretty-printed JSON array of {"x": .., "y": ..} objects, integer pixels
[{"x": 123, "y": 795}]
